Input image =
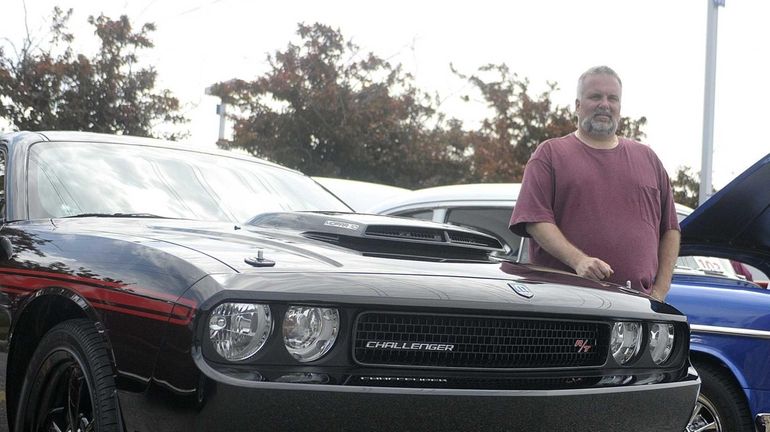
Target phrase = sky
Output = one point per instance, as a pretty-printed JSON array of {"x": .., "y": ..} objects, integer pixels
[{"x": 658, "y": 47}]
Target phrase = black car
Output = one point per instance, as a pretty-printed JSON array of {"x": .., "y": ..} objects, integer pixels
[{"x": 147, "y": 287}]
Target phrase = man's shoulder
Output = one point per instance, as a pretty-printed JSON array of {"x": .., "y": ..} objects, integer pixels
[
  {"x": 638, "y": 147},
  {"x": 641, "y": 146},
  {"x": 562, "y": 140},
  {"x": 547, "y": 147},
  {"x": 642, "y": 152}
]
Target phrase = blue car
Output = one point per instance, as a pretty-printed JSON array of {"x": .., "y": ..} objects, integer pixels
[
  {"x": 728, "y": 310},
  {"x": 730, "y": 317}
]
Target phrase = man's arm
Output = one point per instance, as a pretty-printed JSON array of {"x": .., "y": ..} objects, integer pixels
[
  {"x": 550, "y": 238},
  {"x": 668, "y": 251}
]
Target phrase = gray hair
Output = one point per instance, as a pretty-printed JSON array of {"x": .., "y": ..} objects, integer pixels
[{"x": 596, "y": 70}]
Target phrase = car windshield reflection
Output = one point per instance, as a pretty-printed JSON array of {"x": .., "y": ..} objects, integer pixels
[{"x": 67, "y": 180}]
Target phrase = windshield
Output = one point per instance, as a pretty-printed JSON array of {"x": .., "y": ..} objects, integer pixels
[{"x": 96, "y": 178}]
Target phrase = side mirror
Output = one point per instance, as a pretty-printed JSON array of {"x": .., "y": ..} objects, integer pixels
[{"x": 6, "y": 249}]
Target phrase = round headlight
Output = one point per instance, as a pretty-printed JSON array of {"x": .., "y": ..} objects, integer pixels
[
  {"x": 310, "y": 332},
  {"x": 239, "y": 330},
  {"x": 661, "y": 341},
  {"x": 626, "y": 341}
]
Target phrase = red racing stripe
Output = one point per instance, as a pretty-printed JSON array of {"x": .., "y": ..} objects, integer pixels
[{"x": 110, "y": 296}]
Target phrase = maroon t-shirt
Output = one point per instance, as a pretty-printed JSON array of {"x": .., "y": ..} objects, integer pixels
[{"x": 612, "y": 204}]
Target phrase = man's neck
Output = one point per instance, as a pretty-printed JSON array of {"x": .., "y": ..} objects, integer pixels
[{"x": 601, "y": 142}]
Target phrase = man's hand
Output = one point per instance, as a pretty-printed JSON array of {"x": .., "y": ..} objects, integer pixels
[
  {"x": 550, "y": 238},
  {"x": 593, "y": 268},
  {"x": 658, "y": 292},
  {"x": 668, "y": 250}
]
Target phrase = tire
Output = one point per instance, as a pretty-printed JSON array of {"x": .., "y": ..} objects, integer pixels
[
  {"x": 69, "y": 384},
  {"x": 721, "y": 403}
]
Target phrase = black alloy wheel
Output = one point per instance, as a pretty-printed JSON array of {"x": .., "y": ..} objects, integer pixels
[
  {"x": 69, "y": 385},
  {"x": 721, "y": 405}
]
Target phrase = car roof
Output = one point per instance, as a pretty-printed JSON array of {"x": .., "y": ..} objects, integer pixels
[
  {"x": 465, "y": 194},
  {"x": 26, "y": 138},
  {"x": 501, "y": 194}
]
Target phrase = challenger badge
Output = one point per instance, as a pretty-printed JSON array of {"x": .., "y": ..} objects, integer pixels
[{"x": 410, "y": 346}]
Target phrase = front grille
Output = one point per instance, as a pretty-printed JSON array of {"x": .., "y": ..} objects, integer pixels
[{"x": 400, "y": 339}]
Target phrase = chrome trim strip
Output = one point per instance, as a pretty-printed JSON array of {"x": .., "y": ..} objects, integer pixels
[
  {"x": 760, "y": 334},
  {"x": 762, "y": 422}
]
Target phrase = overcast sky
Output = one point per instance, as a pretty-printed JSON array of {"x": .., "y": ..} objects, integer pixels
[{"x": 657, "y": 47}]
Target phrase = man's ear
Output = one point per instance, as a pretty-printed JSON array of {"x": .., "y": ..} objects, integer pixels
[{"x": 577, "y": 103}]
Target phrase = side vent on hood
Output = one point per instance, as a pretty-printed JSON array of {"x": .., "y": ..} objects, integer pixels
[
  {"x": 385, "y": 236},
  {"x": 406, "y": 233},
  {"x": 473, "y": 240},
  {"x": 433, "y": 235}
]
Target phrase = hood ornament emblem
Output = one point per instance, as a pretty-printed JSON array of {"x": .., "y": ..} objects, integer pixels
[{"x": 521, "y": 289}]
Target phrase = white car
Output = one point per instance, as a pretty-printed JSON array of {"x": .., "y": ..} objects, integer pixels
[
  {"x": 487, "y": 207},
  {"x": 360, "y": 195}
]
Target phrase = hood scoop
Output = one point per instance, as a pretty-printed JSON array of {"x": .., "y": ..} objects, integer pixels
[{"x": 386, "y": 236}]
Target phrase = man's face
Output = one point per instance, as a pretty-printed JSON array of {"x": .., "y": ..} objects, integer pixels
[{"x": 598, "y": 107}]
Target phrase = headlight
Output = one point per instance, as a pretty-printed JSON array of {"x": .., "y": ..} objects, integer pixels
[
  {"x": 239, "y": 330},
  {"x": 310, "y": 332},
  {"x": 661, "y": 341},
  {"x": 626, "y": 341}
]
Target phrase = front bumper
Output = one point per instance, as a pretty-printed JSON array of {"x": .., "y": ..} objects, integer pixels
[
  {"x": 231, "y": 404},
  {"x": 660, "y": 407}
]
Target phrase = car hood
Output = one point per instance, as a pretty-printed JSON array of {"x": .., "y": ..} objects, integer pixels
[
  {"x": 286, "y": 250},
  {"x": 286, "y": 246},
  {"x": 305, "y": 242},
  {"x": 734, "y": 222}
]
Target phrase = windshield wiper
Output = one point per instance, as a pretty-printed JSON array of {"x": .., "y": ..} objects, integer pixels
[{"x": 119, "y": 215}]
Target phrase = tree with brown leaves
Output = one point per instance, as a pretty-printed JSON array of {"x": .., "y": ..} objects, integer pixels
[
  {"x": 51, "y": 87},
  {"x": 328, "y": 109},
  {"x": 686, "y": 187}
]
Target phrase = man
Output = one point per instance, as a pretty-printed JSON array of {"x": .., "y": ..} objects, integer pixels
[{"x": 600, "y": 205}]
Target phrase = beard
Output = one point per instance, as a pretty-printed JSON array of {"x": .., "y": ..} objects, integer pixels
[{"x": 597, "y": 127}]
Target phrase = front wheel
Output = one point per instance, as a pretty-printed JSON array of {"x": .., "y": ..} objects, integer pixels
[
  {"x": 69, "y": 384},
  {"x": 721, "y": 405}
]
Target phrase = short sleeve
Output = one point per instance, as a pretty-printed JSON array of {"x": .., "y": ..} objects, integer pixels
[
  {"x": 535, "y": 201},
  {"x": 668, "y": 217}
]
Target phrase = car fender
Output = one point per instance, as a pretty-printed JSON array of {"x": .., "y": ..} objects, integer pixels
[
  {"x": 697, "y": 346},
  {"x": 32, "y": 322}
]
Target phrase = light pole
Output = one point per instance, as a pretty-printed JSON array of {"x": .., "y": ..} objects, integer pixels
[
  {"x": 708, "y": 101},
  {"x": 222, "y": 112}
]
